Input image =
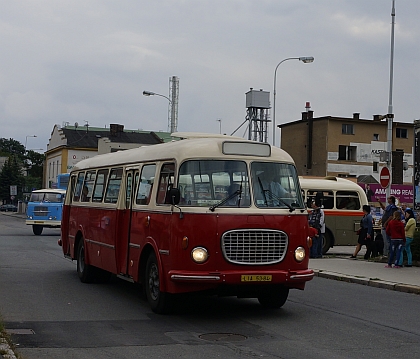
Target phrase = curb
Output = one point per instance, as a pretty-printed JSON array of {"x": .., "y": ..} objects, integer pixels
[{"x": 377, "y": 283}]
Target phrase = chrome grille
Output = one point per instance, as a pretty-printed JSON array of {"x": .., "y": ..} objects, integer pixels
[
  {"x": 254, "y": 246},
  {"x": 40, "y": 211}
]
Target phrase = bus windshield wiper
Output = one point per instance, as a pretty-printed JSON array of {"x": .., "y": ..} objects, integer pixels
[
  {"x": 273, "y": 196},
  {"x": 223, "y": 201}
]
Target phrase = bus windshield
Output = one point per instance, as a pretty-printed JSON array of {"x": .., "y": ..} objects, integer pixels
[
  {"x": 275, "y": 185},
  {"x": 209, "y": 182},
  {"x": 46, "y": 197}
]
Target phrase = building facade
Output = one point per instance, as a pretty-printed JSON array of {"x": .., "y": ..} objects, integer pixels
[
  {"x": 70, "y": 144},
  {"x": 348, "y": 147}
]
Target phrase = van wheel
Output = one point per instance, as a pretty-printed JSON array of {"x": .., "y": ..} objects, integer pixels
[
  {"x": 84, "y": 271},
  {"x": 160, "y": 302},
  {"x": 37, "y": 229},
  {"x": 274, "y": 299}
]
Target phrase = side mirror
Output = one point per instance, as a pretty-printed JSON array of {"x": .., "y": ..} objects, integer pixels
[{"x": 174, "y": 196}]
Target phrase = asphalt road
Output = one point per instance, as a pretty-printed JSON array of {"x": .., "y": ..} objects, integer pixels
[{"x": 53, "y": 315}]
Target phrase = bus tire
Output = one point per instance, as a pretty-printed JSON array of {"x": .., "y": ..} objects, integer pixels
[
  {"x": 327, "y": 241},
  {"x": 159, "y": 302},
  {"x": 37, "y": 229},
  {"x": 274, "y": 299},
  {"x": 84, "y": 271}
]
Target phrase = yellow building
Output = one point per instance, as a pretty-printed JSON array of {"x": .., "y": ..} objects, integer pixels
[{"x": 71, "y": 144}]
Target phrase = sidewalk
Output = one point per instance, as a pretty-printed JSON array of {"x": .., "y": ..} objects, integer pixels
[{"x": 337, "y": 264}]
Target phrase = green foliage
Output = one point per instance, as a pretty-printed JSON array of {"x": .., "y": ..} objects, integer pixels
[
  {"x": 11, "y": 147},
  {"x": 22, "y": 169},
  {"x": 11, "y": 175}
]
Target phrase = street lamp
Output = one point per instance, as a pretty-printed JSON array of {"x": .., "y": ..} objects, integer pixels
[
  {"x": 305, "y": 60},
  {"x": 26, "y": 140},
  {"x": 150, "y": 93}
]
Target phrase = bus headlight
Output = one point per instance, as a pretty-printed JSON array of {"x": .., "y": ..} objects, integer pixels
[
  {"x": 300, "y": 254},
  {"x": 199, "y": 255}
]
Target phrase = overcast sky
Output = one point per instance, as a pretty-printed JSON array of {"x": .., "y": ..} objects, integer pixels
[{"x": 89, "y": 61}]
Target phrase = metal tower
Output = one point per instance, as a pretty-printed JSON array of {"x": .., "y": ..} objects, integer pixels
[
  {"x": 257, "y": 104},
  {"x": 173, "y": 108}
]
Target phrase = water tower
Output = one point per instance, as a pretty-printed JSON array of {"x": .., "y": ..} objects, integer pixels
[{"x": 257, "y": 104}]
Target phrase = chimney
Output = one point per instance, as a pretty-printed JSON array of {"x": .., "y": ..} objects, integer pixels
[
  {"x": 115, "y": 129},
  {"x": 356, "y": 116},
  {"x": 376, "y": 118},
  {"x": 304, "y": 116},
  {"x": 310, "y": 114}
]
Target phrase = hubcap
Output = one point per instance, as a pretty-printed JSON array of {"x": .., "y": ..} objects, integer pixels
[{"x": 154, "y": 281}]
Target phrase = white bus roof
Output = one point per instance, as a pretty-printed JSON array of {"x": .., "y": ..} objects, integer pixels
[
  {"x": 50, "y": 190},
  {"x": 329, "y": 183},
  {"x": 196, "y": 146}
]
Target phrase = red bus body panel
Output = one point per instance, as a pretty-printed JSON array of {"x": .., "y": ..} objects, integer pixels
[{"x": 115, "y": 240}]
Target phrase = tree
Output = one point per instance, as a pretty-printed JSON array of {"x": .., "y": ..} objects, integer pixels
[
  {"x": 11, "y": 175},
  {"x": 11, "y": 147},
  {"x": 31, "y": 163}
]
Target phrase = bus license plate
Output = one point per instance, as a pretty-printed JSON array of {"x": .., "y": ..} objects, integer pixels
[{"x": 255, "y": 278}]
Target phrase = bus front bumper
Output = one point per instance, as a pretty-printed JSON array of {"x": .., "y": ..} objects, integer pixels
[
  {"x": 42, "y": 222},
  {"x": 244, "y": 277}
]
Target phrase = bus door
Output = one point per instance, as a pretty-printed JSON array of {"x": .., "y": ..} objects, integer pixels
[
  {"x": 125, "y": 220},
  {"x": 140, "y": 215},
  {"x": 161, "y": 221}
]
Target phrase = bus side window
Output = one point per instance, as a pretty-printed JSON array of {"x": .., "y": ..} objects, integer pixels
[
  {"x": 348, "y": 200},
  {"x": 166, "y": 180},
  {"x": 79, "y": 186},
  {"x": 144, "y": 191},
  {"x": 98, "y": 191},
  {"x": 88, "y": 186},
  {"x": 114, "y": 184}
]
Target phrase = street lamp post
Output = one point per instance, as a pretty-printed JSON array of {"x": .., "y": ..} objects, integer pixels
[
  {"x": 390, "y": 107},
  {"x": 305, "y": 60},
  {"x": 150, "y": 93},
  {"x": 26, "y": 140}
]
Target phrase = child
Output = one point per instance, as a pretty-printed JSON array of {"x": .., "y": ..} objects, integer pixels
[{"x": 313, "y": 233}]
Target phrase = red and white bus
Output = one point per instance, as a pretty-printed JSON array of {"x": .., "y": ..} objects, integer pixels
[{"x": 187, "y": 216}]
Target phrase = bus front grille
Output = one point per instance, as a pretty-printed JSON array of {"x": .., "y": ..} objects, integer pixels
[
  {"x": 254, "y": 246},
  {"x": 40, "y": 211}
]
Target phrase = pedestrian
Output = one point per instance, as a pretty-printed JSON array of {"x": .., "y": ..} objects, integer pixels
[
  {"x": 410, "y": 227},
  {"x": 395, "y": 230},
  {"x": 387, "y": 215},
  {"x": 317, "y": 220},
  {"x": 365, "y": 233},
  {"x": 369, "y": 192},
  {"x": 313, "y": 233}
]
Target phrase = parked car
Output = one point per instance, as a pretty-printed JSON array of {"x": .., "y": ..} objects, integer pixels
[{"x": 8, "y": 208}]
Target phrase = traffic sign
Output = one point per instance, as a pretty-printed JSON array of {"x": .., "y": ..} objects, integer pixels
[{"x": 385, "y": 177}]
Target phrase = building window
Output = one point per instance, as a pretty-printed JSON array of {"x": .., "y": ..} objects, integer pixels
[
  {"x": 375, "y": 167},
  {"x": 401, "y": 133},
  {"x": 376, "y": 136},
  {"x": 347, "y": 129},
  {"x": 347, "y": 153}
]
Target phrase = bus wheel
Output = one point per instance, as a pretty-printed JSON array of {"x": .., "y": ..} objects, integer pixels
[
  {"x": 274, "y": 299},
  {"x": 84, "y": 271},
  {"x": 326, "y": 241},
  {"x": 159, "y": 301},
  {"x": 37, "y": 229}
]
